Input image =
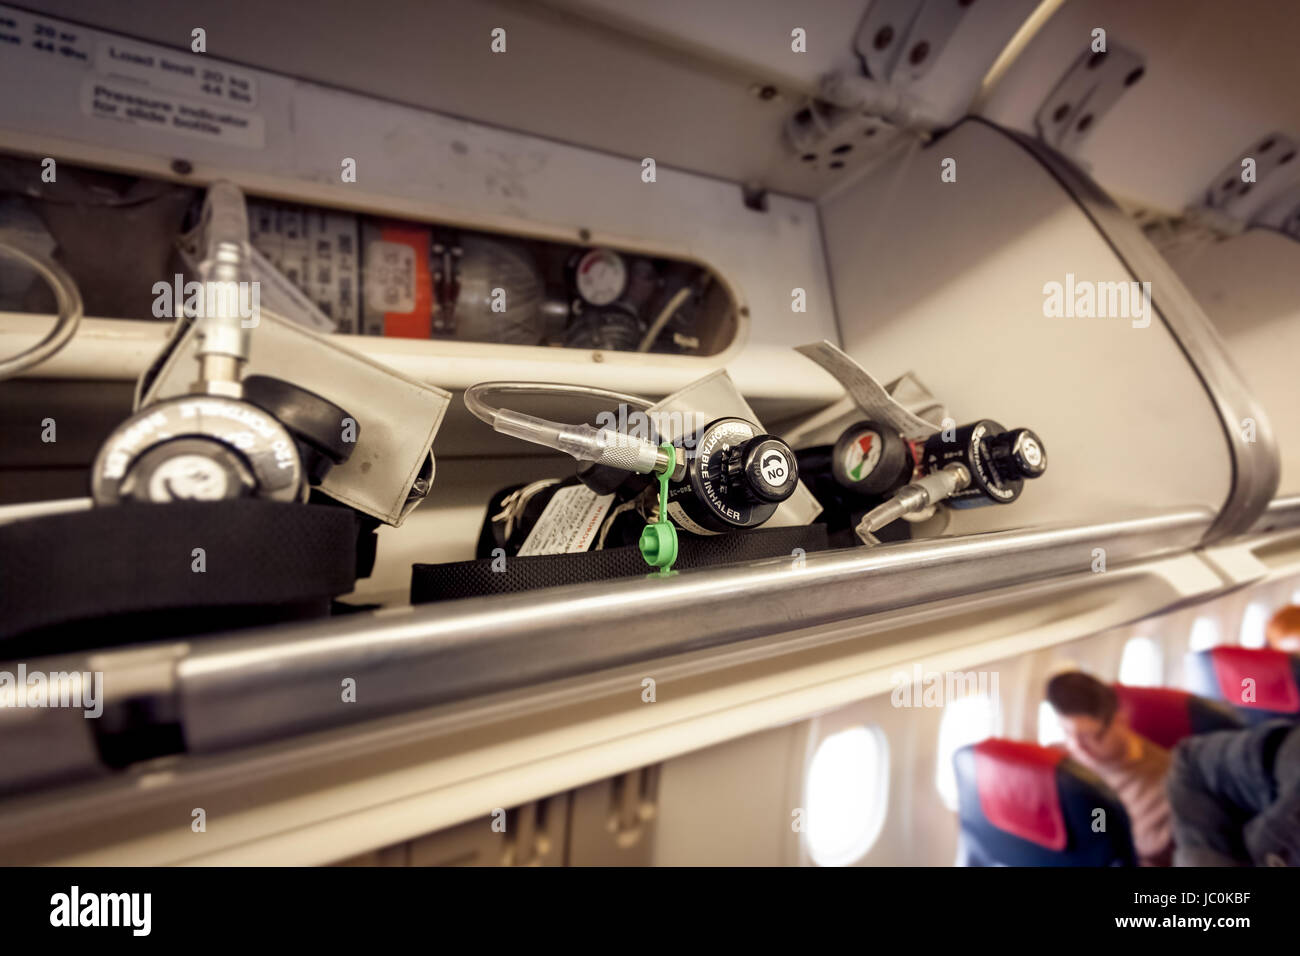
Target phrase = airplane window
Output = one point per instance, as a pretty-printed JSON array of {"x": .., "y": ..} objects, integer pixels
[
  {"x": 1253, "y": 624},
  {"x": 1205, "y": 634},
  {"x": 1141, "y": 664},
  {"x": 1049, "y": 725},
  {"x": 967, "y": 720},
  {"x": 846, "y": 795}
]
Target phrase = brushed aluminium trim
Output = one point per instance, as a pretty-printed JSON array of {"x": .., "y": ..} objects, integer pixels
[
  {"x": 267, "y": 684},
  {"x": 270, "y": 683},
  {"x": 414, "y": 745},
  {"x": 1281, "y": 513}
]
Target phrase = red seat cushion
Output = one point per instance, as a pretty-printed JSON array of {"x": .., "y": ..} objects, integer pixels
[
  {"x": 1273, "y": 679},
  {"x": 1160, "y": 714},
  {"x": 1018, "y": 791}
]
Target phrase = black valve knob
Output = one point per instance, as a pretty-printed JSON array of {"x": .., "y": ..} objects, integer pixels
[
  {"x": 324, "y": 432},
  {"x": 765, "y": 469},
  {"x": 735, "y": 478},
  {"x": 1018, "y": 453},
  {"x": 999, "y": 460}
]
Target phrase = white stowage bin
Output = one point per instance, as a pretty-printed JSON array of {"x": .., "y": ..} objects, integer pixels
[
  {"x": 962, "y": 283},
  {"x": 1249, "y": 285}
]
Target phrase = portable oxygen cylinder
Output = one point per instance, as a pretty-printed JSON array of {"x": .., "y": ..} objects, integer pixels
[
  {"x": 201, "y": 518},
  {"x": 515, "y": 511},
  {"x": 231, "y": 437},
  {"x": 619, "y": 516},
  {"x": 872, "y": 475},
  {"x": 867, "y": 463},
  {"x": 727, "y": 476},
  {"x": 999, "y": 461}
]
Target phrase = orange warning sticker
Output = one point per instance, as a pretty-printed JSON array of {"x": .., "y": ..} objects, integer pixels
[{"x": 398, "y": 285}]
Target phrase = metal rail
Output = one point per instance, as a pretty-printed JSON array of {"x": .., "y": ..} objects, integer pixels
[
  {"x": 270, "y": 683},
  {"x": 239, "y": 690}
]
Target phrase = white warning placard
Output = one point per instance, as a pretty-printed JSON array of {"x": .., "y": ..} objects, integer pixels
[
  {"x": 569, "y": 522},
  {"x": 129, "y": 103},
  {"x": 182, "y": 73}
]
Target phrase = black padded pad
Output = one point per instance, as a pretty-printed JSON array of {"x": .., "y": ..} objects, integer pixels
[
  {"x": 441, "y": 582},
  {"x": 79, "y": 572}
]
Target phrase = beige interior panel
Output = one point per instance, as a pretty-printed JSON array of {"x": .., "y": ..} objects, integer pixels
[
  {"x": 1249, "y": 285},
  {"x": 946, "y": 279}
]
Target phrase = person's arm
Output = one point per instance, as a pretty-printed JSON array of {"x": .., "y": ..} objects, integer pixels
[
  {"x": 1273, "y": 837},
  {"x": 1218, "y": 783}
]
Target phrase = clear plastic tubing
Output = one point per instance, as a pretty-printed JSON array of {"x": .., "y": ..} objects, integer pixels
[{"x": 584, "y": 442}]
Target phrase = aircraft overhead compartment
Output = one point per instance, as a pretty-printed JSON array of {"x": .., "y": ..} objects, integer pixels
[{"x": 950, "y": 265}]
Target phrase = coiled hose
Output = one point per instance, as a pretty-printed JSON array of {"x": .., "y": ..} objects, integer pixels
[{"x": 70, "y": 311}]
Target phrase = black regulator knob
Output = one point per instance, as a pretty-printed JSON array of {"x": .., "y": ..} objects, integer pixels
[
  {"x": 998, "y": 460},
  {"x": 1017, "y": 454},
  {"x": 735, "y": 476},
  {"x": 325, "y": 433},
  {"x": 763, "y": 469}
]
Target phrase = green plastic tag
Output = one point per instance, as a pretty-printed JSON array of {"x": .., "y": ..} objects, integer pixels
[{"x": 659, "y": 540}]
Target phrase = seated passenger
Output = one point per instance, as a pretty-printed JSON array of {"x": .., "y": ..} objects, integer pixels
[
  {"x": 1235, "y": 796},
  {"x": 1283, "y": 632},
  {"x": 1097, "y": 734}
]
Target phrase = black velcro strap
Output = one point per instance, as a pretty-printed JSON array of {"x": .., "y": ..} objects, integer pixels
[
  {"x": 441, "y": 582},
  {"x": 140, "y": 559}
]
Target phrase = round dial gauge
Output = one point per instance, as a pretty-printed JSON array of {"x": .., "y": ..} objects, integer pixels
[
  {"x": 860, "y": 455},
  {"x": 601, "y": 276},
  {"x": 870, "y": 459}
]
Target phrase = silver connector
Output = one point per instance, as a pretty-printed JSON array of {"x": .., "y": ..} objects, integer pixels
[
  {"x": 223, "y": 341},
  {"x": 630, "y": 453},
  {"x": 919, "y": 495}
]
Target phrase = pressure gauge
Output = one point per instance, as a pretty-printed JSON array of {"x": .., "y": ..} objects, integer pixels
[
  {"x": 600, "y": 276},
  {"x": 872, "y": 459}
]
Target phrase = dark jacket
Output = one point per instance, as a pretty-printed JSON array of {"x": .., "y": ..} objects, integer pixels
[{"x": 1235, "y": 796}]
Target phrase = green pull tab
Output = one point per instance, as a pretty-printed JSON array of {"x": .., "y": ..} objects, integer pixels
[{"x": 659, "y": 540}]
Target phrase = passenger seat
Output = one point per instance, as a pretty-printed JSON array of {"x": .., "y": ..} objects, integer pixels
[
  {"x": 1020, "y": 804},
  {"x": 1165, "y": 716},
  {"x": 1260, "y": 683}
]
